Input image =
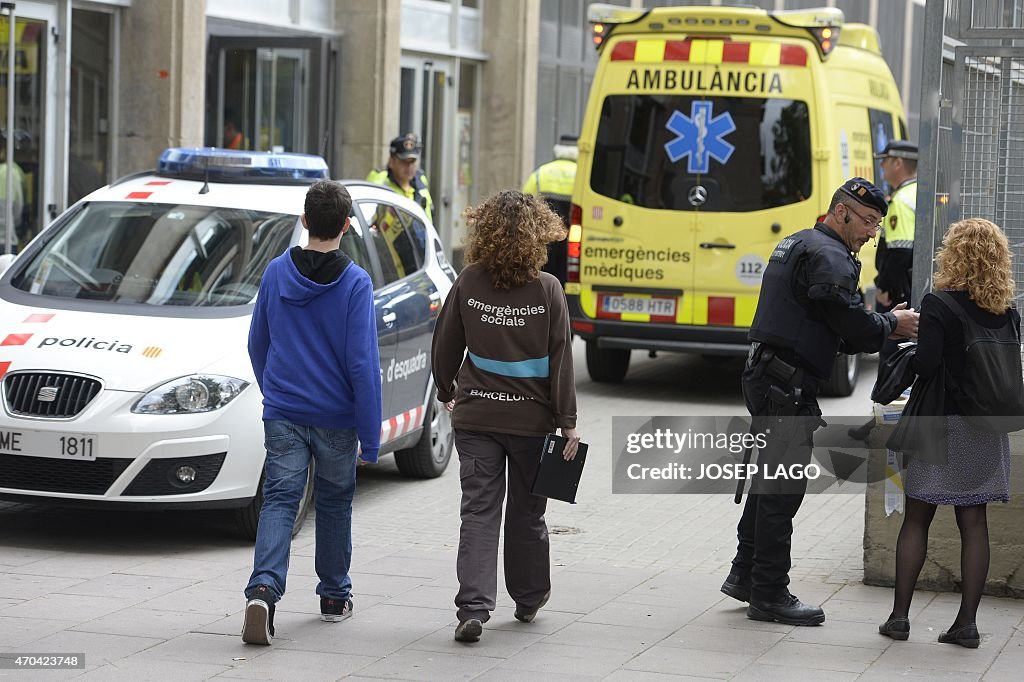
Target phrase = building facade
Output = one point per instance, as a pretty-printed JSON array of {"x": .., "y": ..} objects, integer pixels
[{"x": 101, "y": 87}]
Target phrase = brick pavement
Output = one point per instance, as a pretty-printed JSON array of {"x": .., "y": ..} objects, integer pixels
[{"x": 635, "y": 585}]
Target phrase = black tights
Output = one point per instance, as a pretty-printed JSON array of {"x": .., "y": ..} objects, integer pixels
[{"x": 913, "y": 545}]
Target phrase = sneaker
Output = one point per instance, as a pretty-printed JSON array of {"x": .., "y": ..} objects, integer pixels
[
  {"x": 786, "y": 609},
  {"x": 335, "y": 610},
  {"x": 469, "y": 631},
  {"x": 526, "y": 615},
  {"x": 258, "y": 627},
  {"x": 736, "y": 587}
]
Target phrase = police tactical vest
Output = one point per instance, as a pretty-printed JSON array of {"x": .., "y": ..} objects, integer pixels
[{"x": 805, "y": 271}]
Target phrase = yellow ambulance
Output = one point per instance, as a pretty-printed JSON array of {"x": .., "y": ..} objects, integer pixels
[{"x": 710, "y": 134}]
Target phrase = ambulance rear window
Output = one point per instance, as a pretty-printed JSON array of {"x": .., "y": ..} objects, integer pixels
[{"x": 748, "y": 153}]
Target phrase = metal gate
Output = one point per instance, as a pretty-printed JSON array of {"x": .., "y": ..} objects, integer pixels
[{"x": 972, "y": 126}]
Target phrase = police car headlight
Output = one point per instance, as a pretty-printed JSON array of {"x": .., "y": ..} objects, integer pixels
[{"x": 189, "y": 395}]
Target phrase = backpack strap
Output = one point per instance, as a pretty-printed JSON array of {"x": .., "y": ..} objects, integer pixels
[{"x": 954, "y": 307}]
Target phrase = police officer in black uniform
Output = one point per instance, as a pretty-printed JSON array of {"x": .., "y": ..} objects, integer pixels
[{"x": 808, "y": 310}]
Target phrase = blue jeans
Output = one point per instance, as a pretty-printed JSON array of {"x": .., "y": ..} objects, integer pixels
[{"x": 289, "y": 448}]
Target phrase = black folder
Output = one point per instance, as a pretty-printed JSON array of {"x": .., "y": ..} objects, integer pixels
[{"x": 557, "y": 478}]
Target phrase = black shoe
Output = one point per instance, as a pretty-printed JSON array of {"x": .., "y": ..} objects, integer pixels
[
  {"x": 736, "y": 587},
  {"x": 897, "y": 627},
  {"x": 787, "y": 609},
  {"x": 526, "y": 615},
  {"x": 469, "y": 631},
  {"x": 258, "y": 627},
  {"x": 335, "y": 610},
  {"x": 965, "y": 635},
  {"x": 861, "y": 432}
]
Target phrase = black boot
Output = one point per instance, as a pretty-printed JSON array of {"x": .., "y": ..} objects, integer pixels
[
  {"x": 861, "y": 432},
  {"x": 785, "y": 609},
  {"x": 736, "y": 587}
]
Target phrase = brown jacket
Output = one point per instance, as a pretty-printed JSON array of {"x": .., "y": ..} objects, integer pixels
[{"x": 517, "y": 376}]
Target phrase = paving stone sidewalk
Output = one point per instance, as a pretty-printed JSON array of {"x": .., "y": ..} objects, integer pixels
[{"x": 635, "y": 591}]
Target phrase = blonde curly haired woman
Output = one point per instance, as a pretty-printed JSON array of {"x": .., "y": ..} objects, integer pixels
[
  {"x": 973, "y": 268},
  {"x": 513, "y": 386}
]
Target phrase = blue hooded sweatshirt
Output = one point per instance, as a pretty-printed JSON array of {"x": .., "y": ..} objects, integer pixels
[{"x": 313, "y": 348}]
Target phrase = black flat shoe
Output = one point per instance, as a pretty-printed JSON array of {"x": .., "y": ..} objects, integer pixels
[
  {"x": 965, "y": 635},
  {"x": 897, "y": 627}
]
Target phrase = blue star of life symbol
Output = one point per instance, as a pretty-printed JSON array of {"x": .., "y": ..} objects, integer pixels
[{"x": 700, "y": 136}]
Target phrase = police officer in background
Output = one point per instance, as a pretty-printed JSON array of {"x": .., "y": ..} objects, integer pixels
[
  {"x": 808, "y": 310},
  {"x": 554, "y": 181},
  {"x": 403, "y": 174},
  {"x": 895, "y": 256}
]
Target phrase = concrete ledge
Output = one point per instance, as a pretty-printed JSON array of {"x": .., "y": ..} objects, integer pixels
[{"x": 941, "y": 570}]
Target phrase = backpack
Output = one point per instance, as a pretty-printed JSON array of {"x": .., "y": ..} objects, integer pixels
[{"x": 991, "y": 392}]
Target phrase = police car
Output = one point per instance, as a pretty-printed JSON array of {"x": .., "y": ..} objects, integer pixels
[{"x": 123, "y": 327}]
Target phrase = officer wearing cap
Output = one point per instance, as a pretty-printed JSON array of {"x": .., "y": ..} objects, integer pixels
[
  {"x": 895, "y": 249},
  {"x": 808, "y": 310},
  {"x": 895, "y": 255},
  {"x": 554, "y": 182},
  {"x": 403, "y": 174}
]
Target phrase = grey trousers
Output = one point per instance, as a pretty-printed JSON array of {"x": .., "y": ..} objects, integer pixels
[{"x": 482, "y": 458}]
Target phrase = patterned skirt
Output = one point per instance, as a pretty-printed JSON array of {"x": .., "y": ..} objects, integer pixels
[{"x": 976, "y": 471}]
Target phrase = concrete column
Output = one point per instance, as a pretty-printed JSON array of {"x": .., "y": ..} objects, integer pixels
[
  {"x": 369, "y": 88},
  {"x": 508, "y": 109},
  {"x": 163, "y": 79}
]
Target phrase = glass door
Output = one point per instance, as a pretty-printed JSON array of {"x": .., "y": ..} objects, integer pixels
[
  {"x": 27, "y": 112},
  {"x": 269, "y": 95},
  {"x": 424, "y": 110}
]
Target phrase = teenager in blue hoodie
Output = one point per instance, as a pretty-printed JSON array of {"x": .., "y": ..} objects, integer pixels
[{"x": 313, "y": 347}]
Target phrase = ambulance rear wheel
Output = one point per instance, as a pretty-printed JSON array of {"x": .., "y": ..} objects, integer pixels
[
  {"x": 844, "y": 376},
  {"x": 607, "y": 365}
]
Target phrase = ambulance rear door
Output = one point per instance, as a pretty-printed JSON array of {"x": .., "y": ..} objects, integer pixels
[
  {"x": 750, "y": 172},
  {"x": 639, "y": 231}
]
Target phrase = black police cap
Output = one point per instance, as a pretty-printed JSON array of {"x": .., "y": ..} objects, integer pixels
[
  {"x": 407, "y": 146},
  {"x": 899, "y": 149},
  {"x": 865, "y": 194}
]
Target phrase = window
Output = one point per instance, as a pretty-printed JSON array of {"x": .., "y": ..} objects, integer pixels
[
  {"x": 769, "y": 165},
  {"x": 398, "y": 237},
  {"x": 354, "y": 246},
  {"x": 158, "y": 254}
]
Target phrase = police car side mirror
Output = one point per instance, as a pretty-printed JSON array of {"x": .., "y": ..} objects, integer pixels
[{"x": 5, "y": 262}]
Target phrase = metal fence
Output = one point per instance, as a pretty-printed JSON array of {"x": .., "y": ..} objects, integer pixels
[{"x": 972, "y": 126}]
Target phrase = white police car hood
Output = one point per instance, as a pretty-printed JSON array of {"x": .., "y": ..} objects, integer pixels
[{"x": 127, "y": 352}]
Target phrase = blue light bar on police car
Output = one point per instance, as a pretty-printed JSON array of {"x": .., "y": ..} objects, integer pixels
[{"x": 232, "y": 165}]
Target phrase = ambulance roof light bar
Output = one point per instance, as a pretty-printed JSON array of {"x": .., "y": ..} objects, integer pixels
[
  {"x": 823, "y": 24},
  {"x": 231, "y": 165}
]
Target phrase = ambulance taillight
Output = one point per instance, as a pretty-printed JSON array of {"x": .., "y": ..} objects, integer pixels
[
  {"x": 572, "y": 270},
  {"x": 827, "y": 37}
]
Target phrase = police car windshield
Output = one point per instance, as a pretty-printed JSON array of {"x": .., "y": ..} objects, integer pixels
[
  {"x": 158, "y": 254},
  {"x": 748, "y": 153}
]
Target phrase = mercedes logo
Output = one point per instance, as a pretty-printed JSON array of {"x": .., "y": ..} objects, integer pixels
[{"x": 698, "y": 195}]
